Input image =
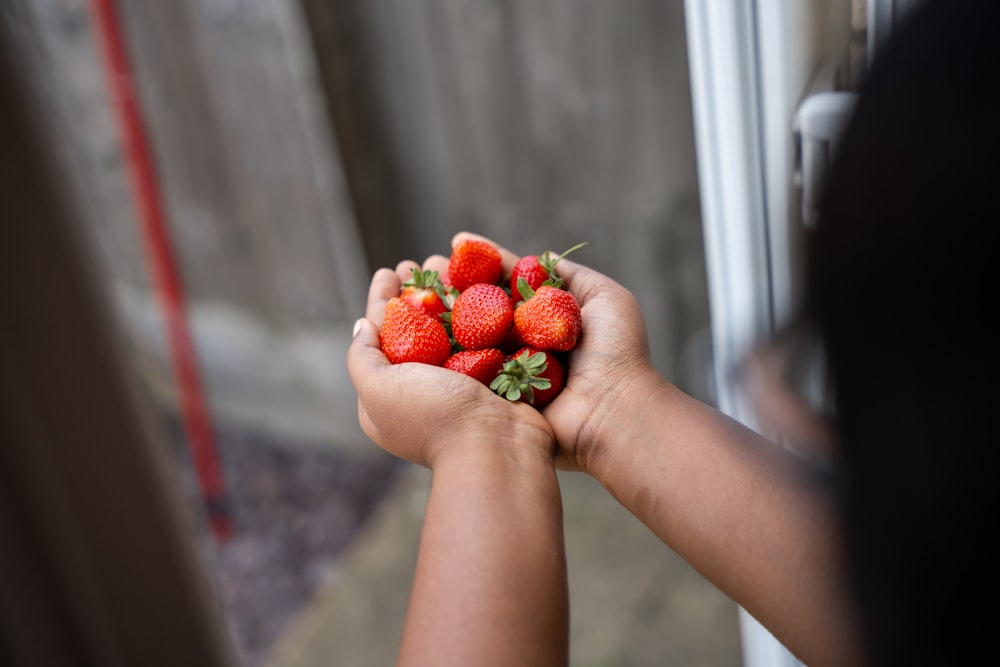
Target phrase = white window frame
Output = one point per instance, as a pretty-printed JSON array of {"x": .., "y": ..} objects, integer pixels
[{"x": 751, "y": 63}]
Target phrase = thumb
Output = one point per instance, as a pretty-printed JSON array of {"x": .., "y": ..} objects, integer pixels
[
  {"x": 365, "y": 333},
  {"x": 365, "y": 354}
]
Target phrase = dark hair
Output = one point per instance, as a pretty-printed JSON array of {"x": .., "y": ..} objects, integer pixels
[{"x": 902, "y": 287}]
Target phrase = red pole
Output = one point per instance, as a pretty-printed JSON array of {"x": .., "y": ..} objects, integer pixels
[{"x": 159, "y": 254}]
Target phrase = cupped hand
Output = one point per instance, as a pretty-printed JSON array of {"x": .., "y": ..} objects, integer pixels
[
  {"x": 423, "y": 413},
  {"x": 610, "y": 372}
]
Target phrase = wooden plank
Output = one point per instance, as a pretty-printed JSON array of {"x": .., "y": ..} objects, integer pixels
[
  {"x": 346, "y": 57},
  {"x": 98, "y": 555},
  {"x": 255, "y": 194}
]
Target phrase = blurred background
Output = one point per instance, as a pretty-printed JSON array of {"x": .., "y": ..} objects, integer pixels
[{"x": 300, "y": 144}]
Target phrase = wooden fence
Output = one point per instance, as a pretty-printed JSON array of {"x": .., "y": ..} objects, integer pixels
[{"x": 301, "y": 143}]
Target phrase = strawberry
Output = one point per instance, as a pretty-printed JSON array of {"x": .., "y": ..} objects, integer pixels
[
  {"x": 530, "y": 375},
  {"x": 548, "y": 319},
  {"x": 482, "y": 317},
  {"x": 537, "y": 269},
  {"x": 473, "y": 262},
  {"x": 482, "y": 365},
  {"x": 530, "y": 268},
  {"x": 410, "y": 334},
  {"x": 512, "y": 342},
  {"x": 555, "y": 373},
  {"x": 426, "y": 291}
]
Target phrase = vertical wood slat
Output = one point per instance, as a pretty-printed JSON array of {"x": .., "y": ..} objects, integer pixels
[
  {"x": 98, "y": 552},
  {"x": 189, "y": 137},
  {"x": 255, "y": 192},
  {"x": 281, "y": 209},
  {"x": 346, "y": 57}
]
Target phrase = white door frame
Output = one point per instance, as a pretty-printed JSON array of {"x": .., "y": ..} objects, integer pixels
[{"x": 751, "y": 64}]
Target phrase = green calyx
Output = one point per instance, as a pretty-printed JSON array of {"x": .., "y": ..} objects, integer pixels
[
  {"x": 520, "y": 377},
  {"x": 445, "y": 319},
  {"x": 432, "y": 280},
  {"x": 524, "y": 289},
  {"x": 548, "y": 260}
]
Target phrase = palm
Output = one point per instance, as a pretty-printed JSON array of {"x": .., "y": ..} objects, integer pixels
[
  {"x": 409, "y": 409},
  {"x": 433, "y": 406},
  {"x": 612, "y": 349}
]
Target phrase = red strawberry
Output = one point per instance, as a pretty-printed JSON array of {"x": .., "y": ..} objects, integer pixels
[
  {"x": 530, "y": 268},
  {"x": 409, "y": 334},
  {"x": 555, "y": 373},
  {"x": 530, "y": 375},
  {"x": 482, "y": 317},
  {"x": 474, "y": 262},
  {"x": 536, "y": 269},
  {"x": 426, "y": 292},
  {"x": 549, "y": 319},
  {"x": 512, "y": 342},
  {"x": 483, "y": 365}
]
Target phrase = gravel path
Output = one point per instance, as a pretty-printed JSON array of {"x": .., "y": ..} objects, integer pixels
[{"x": 295, "y": 507}]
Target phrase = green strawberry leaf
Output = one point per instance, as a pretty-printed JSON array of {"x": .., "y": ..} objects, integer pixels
[
  {"x": 519, "y": 377},
  {"x": 524, "y": 289},
  {"x": 548, "y": 261},
  {"x": 446, "y": 294}
]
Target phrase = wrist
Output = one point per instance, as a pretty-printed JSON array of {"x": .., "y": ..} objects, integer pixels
[
  {"x": 478, "y": 441},
  {"x": 622, "y": 419}
]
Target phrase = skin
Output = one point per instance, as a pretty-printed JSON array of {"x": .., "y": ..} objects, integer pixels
[
  {"x": 490, "y": 581},
  {"x": 752, "y": 518}
]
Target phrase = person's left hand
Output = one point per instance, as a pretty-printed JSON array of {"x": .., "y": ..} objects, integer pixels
[{"x": 420, "y": 412}]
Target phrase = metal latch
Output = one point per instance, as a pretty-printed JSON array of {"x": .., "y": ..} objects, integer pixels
[{"x": 818, "y": 125}]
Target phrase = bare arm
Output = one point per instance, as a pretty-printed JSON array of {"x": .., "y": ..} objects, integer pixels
[
  {"x": 746, "y": 514},
  {"x": 490, "y": 583},
  {"x": 751, "y": 517}
]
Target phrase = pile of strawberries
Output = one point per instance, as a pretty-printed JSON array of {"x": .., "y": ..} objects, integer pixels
[{"x": 510, "y": 336}]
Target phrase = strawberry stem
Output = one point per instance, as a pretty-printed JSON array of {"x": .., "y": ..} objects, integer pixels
[
  {"x": 549, "y": 262},
  {"x": 432, "y": 280},
  {"x": 520, "y": 377}
]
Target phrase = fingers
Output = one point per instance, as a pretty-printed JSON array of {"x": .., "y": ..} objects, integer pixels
[
  {"x": 385, "y": 285},
  {"x": 364, "y": 356},
  {"x": 363, "y": 346},
  {"x": 509, "y": 258},
  {"x": 581, "y": 281},
  {"x": 405, "y": 270},
  {"x": 365, "y": 363},
  {"x": 437, "y": 263}
]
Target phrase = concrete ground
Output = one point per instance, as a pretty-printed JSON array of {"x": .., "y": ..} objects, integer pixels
[{"x": 633, "y": 601}]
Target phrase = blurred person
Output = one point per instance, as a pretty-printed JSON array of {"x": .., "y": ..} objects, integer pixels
[
  {"x": 903, "y": 289},
  {"x": 883, "y": 558}
]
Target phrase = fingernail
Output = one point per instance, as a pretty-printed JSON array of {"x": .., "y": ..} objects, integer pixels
[{"x": 357, "y": 327}]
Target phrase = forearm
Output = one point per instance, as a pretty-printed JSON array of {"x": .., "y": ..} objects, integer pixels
[
  {"x": 490, "y": 583},
  {"x": 738, "y": 509}
]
